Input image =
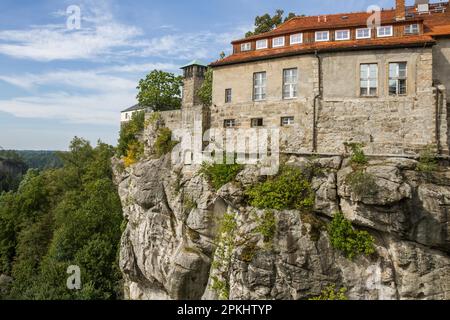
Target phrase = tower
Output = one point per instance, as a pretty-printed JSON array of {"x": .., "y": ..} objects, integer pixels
[{"x": 193, "y": 77}]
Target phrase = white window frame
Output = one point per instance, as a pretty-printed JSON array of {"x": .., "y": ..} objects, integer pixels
[
  {"x": 246, "y": 46},
  {"x": 322, "y": 32},
  {"x": 300, "y": 35},
  {"x": 368, "y": 79},
  {"x": 287, "y": 121},
  {"x": 282, "y": 44},
  {"x": 259, "y": 90},
  {"x": 228, "y": 95},
  {"x": 342, "y": 39},
  {"x": 397, "y": 78},
  {"x": 265, "y": 43},
  {"x": 409, "y": 27},
  {"x": 229, "y": 123},
  {"x": 291, "y": 85},
  {"x": 384, "y": 28},
  {"x": 364, "y": 37}
]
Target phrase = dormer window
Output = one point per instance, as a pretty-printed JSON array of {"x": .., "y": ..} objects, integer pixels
[
  {"x": 363, "y": 33},
  {"x": 278, "y": 42},
  {"x": 246, "y": 46},
  {"x": 261, "y": 44},
  {"x": 412, "y": 29},
  {"x": 322, "y": 36},
  {"x": 342, "y": 35},
  {"x": 296, "y": 38},
  {"x": 384, "y": 31}
]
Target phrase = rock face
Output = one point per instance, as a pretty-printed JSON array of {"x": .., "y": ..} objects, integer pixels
[{"x": 168, "y": 249}]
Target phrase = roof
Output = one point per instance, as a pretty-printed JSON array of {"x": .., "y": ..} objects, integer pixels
[
  {"x": 436, "y": 23},
  {"x": 136, "y": 107},
  {"x": 194, "y": 63}
]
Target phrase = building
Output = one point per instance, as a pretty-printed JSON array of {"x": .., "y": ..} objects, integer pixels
[
  {"x": 127, "y": 114},
  {"x": 331, "y": 79}
]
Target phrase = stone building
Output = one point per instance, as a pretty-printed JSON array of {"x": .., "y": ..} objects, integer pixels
[{"x": 326, "y": 80}]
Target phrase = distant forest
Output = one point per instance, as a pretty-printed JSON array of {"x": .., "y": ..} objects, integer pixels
[{"x": 40, "y": 160}]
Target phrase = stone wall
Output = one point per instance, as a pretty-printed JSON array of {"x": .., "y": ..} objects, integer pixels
[{"x": 441, "y": 62}]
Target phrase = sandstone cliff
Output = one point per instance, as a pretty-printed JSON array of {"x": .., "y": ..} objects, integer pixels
[{"x": 168, "y": 248}]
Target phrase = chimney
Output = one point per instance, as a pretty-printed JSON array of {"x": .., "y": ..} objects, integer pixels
[{"x": 400, "y": 10}]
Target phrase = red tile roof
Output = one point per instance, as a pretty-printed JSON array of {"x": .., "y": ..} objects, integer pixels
[{"x": 435, "y": 24}]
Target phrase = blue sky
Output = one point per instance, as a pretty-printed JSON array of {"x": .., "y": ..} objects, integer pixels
[{"x": 57, "y": 83}]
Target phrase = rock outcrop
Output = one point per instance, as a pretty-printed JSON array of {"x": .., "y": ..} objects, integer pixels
[{"x": 168, "y": 249}]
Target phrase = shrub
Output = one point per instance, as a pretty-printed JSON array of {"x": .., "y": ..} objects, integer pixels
[
  {"x": 358, "y": 156},
  {"x": 267, "y": 226},
  {"x": 348, "y": 240},
  {"x": 330, "y": 293},
  {"x": 129, "y": 132},
  {"x": 134, "y": 153},
  {"x": 152, "y": 119},
  {"x": 362, "y": 183},
  {"x": 427, "y": 161},
  {"x": 288, "y": 190},
  {"x": 164, "y": 143},
  {"x": 220, "y": 174}
]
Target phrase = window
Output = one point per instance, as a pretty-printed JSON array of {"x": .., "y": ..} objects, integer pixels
[
  {"x": 412, "y": 29},
  {"x": 246, "y": 46},
  {"x": 322, "y": 36},
  {"x": 127, "y": 116},
  {"x": 296, "y": 38},
  {"x": 261, "y": 44},
  {"x": 258, "y": 122},
  {"x": 343, "y": 35},
  {"x": 385, "y": 31},
  {"x": 397, "y": 78},
  {"x": 364, "y": 33},
  {"x": 287, "y": 121},
  {"x": 228, "y": 95},
  {"x": 229, "y": 123},
  {"x": 278, "y": 42},
  {"x": 290, "y": 80},
  {"x": 369, "y": 80},
  {"x": 259, "y": 86}
]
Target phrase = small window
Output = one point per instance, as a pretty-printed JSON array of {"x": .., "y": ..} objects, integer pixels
[
  {"x": 259, "y": 86},
  {"x": 296, "y": 38},
  {"x": 287, "y": 121},
  {"x": 369, "y": 80},
  {"x": 246, "y": 46},
  {"x": 363, "y": 33},
  {"x": 412, "y": 29},
  {"x": 258, "y": 122},
  {"x": 397, "y": 78},
  {"x": 126, "y": 116},
  {"x": 261, "y": 44},
  {"x": 322, "y": 36},
  {"x": 228, "y": 95},
  {"x": 343, "y": 35},
  {"x": 278, "y": 42},
  {"x": 229, "y": 123},
  {"x": 290, "y": 83},
  {"x": 385, "y": 31}
]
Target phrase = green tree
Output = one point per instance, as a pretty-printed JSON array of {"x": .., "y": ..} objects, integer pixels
[
  {"x": 129, "y": 132},
  {"x": 266, "y": 22},
  {"x": 160, "y": 90},
  {"x": 205, "y": 91}
]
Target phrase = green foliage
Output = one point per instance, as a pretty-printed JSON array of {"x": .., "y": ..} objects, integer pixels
[
  {"x": 205, "y": 91},
  {"x": 348, "y": 240},
  {"x": 266, "y": 22},
  {"x": 41, "y": 160},
  {"x": 358, "y": 156},
  {"x": 164, "y": 143},
  {"x": 153, "y": 119},
  {"x": 189, "y": 204},
  {"x": 330, "y": 293},
  {"x": 61, "y": 217},
  {"x": 12, "y": 169},
  {"x": 160, "y": 90},
  {"x": 220, "y": 174},
  {"x": 428, "y": 160},
  {"x": 267, "y": 226},
  {"x": 129, "y": 133},
  {"x": 362, "y": 183},
  {"x": 290, "y": 189}
]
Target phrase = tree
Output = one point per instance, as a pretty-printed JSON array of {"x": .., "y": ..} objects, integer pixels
[
  {"x": 160, "y": 90},
  {"x": 266, "y": 23},
  {"x": 205, "y": 91}
]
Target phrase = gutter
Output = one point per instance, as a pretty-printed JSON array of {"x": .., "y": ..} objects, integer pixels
[{"x": 316, "y": 98}]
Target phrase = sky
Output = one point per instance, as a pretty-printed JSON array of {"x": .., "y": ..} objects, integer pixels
[{"x": 59, "y": 80}]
